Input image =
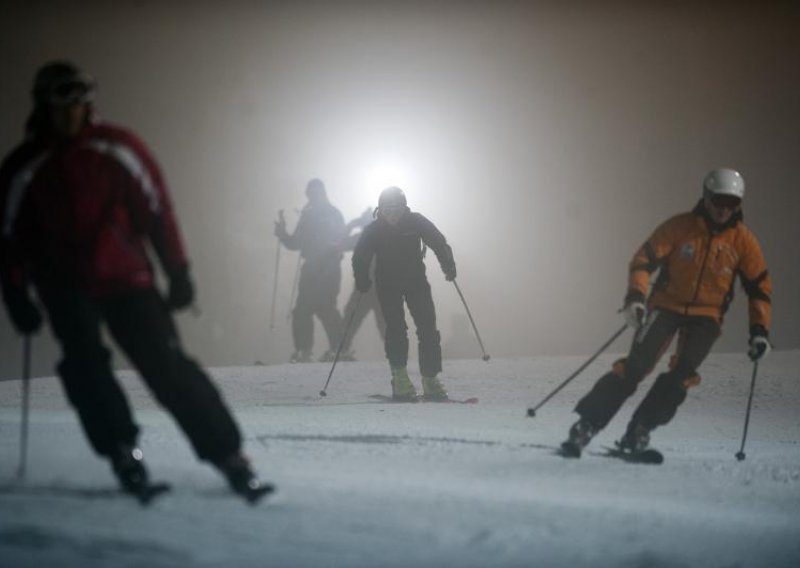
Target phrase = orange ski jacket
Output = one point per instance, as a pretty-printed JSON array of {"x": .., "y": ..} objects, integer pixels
[{"x": 698, "y": 265}]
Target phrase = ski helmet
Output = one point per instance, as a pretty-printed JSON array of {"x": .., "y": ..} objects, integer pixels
[
  {"x": 62, "y": 83},
  {"x": 724, "y": 181},
  {"x": 392, "y": 197}
]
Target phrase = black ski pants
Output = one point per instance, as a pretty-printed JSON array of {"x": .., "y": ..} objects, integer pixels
[
  {"x": 420, "y": 304},
  {"x": 317, "y": 292},
  {"x": 696, "y": 335},
  {"x": 142, "y": 326}
]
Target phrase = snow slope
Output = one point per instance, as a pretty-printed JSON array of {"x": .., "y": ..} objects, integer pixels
[{"x": 363, "y": 483}]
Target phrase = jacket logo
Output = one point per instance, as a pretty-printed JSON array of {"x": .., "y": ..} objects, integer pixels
[{"x": 687, "y": 250}]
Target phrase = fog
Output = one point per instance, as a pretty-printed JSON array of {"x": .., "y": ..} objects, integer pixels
[{"x": 545, "y": 139}]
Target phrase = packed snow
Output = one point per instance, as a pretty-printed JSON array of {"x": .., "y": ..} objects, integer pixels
[{"x": 363, "y": 483}]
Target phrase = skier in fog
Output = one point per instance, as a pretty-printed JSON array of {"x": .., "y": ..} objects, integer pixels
[
  {"x": 319, "y": 237},
  {"x": 698, "y": 255},
  {"x": 395, "y": 239},
  {"x": 80, "y": 199},
  {"x": 362, "y": 303}
]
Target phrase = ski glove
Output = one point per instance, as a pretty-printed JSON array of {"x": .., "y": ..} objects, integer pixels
[
  {"x": 23, "y": 312},
  {"x": 181, "y": 290},
  {"x": 449, "y": 273},
  {"x": 363, "y": 285},
  {"x": 635, "y": 314},
  {"x": 759, "y": 347}
]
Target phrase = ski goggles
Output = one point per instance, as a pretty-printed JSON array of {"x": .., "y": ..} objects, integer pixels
[
  {"x": 69, "y": 93},
  {"x": 723, "y": 201}
]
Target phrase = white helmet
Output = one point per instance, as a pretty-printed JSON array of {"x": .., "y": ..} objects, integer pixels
[{"x": 724, "y": 181}]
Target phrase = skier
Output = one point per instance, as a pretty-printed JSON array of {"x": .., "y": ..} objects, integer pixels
[
  {"x": 395, "y": 240},
  {"x": 80, "y": 199},
  {"x": 698, "y": 255},
  {"x": 318, "y": 236}
]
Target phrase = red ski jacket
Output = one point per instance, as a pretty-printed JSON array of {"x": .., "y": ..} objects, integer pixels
[{"x": 79, "y": 213}]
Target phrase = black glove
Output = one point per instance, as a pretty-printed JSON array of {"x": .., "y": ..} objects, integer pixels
[
  {"x": 23, "y": 312},
  {"x": 181, "y": 290},
  {"x": 449, "y": 273},
  {"x": 759, "y": 344},
  {"x": 363, "y": 285}
]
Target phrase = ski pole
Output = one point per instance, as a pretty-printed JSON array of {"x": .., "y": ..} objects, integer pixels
[
  {"x": 294, "y": 288},
  {"x": 472, "y": 321},
  {"x": 275, "y": 284},
  {"x": 341, "y": 343},
  {"x": 740, "y": 454},
  {"x": 532, "y": 411},
  {"x": 26, "y": 379}
]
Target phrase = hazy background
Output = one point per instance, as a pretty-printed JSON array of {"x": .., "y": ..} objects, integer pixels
[{"x": 545, "y": 139}]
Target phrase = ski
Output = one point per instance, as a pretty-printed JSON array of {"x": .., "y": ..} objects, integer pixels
[
  {"x": 385, "y": 398},
  {"x": 471, "y": 400},
  {"x": 146, "y": 494},
  {"x": 649, "y": 456}
]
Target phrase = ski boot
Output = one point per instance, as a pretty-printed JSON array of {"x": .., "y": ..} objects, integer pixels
[
  {"x": 301, "y": 356},
  {"x": 127, "y": 464},
  {"x": 635, "y": 440},
  {"x": 433, "y": 390},
  {"x": 243, "y": 480},
  {"x": 402, "y": 388},
  {"x": 634, "y": 446},
  {"x": 580, "y": 434}
]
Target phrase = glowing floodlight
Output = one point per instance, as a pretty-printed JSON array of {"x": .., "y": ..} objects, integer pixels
[{"x": 383, "y": 173}]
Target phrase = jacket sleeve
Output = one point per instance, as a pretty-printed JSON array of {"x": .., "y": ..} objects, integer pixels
[
  {"x": 435, "y": 240},
  {"x": 363, "y": 253},
  {"x": 13, "y": 275},
  {"x": 151, "y": 205},
  {"x": 648, "y": 258},
  {"x": 757, "y": 285},
  {"x": 295, "y": 240}
]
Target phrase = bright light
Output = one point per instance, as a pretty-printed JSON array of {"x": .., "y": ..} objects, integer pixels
[{"x": 382, "y": 173}]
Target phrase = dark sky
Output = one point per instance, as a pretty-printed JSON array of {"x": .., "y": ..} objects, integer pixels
[{"x": 545, "y": 139}]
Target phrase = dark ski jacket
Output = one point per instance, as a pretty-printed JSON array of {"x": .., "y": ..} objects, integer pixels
[
  {"x": 319, "y": 234},
  {"x": 81, "y": 214},
  {"x": 398, "y": 251}
]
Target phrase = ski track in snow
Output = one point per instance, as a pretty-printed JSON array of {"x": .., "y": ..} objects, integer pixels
[{"x": 363, "y": 483}]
